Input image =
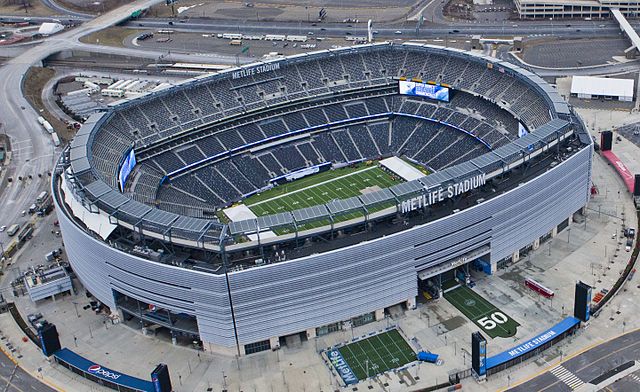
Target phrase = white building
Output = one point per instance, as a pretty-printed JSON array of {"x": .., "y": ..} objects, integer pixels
[{"x": 589, "y": 87}]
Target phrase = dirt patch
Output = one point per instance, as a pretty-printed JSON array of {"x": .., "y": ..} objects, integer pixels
[
  {"x": 248, "y": 13},
  {"x": 92, "y": 6},
  {"x": 24, "y": 8},
  {"x": 370, "y": 189},
  {"x": 290, "y": 10},
  {"x": 111, "y": 36},
  {"x": 34, "y": 82},
  {"x": 454, "y": 323},
  {"x": 459, "y": 9}
]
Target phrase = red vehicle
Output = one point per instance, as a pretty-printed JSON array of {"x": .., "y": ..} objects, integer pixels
[{"x": 535, "y": 286}]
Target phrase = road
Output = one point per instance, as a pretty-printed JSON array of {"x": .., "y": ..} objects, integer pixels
[
  {"x": 33, "y": 153},
  {"x": 587, "y": 366},
  {"x": 571, "y": 29},
  {"x": 14, "y": 379}
]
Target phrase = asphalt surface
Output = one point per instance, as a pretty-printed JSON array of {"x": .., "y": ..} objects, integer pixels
[
  {"x": 14, "y": 379},
  {"x": 588, "y": 365},
  {"x": 575, "y": 53},
  {"x": 584, "y": 29}
]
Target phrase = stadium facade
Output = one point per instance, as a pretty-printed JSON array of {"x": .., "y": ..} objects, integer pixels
[{"x": 511, "y": 163}]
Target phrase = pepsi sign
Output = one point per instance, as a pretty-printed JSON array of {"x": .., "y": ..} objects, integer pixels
[{"x": 99, "y": 371}]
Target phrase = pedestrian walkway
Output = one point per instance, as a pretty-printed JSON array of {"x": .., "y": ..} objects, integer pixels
[{"x": 567, "y": 377}]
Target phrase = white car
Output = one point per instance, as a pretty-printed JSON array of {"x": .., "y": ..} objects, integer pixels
[
  {"x": 398, "y": 32},
  {"x": 3, "y": 228}
]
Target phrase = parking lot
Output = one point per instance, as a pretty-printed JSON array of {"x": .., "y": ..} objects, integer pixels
[{"x": 575, "y": 53}]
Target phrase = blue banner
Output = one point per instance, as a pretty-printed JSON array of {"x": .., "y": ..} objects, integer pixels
[
  {"x": 86, "y": 366},
  {"x": 533, "y": 343},
  {"x": 342, "y": 367}
]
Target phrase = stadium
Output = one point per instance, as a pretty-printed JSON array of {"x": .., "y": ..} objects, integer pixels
[{"x": 303, "y": 195}]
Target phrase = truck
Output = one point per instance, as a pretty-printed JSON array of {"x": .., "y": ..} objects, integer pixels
[{"x": 13, "y": 230}]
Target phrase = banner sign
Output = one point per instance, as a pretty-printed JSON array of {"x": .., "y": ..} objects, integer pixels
[
  {"x": 533, "y": 343},
  {"x": 342, "y": 367}
]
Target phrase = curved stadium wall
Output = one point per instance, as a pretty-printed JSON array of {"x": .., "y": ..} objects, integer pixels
[{"x": 234, "y": 308}]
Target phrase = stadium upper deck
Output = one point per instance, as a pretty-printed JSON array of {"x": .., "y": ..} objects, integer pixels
[{"x": 205, "y": 133}]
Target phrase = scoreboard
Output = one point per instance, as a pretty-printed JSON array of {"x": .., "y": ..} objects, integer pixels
[{"x": 437, "y": 92}]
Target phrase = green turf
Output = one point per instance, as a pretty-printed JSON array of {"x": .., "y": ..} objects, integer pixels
[
  {"x": 322, "y": 188},
  {"x": 304, "y": 182},
  {"x": 476, "y": 308},
  {"x": 384, "y": 351},
  {"x": 421, "y": 168}
]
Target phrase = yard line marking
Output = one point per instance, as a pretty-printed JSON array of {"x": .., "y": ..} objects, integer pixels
[{"x": 315, "y": 185}]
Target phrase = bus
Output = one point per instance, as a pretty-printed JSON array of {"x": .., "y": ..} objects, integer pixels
[
  {"x": 539, "y": 288},
  {"x": 11, "y": 249},
  {"x": 42, "y": 197},
  {"x": 13, "y": 230},
  {"x": 231, "y": 36}
]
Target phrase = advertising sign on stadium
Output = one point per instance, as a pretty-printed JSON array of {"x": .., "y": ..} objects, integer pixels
[
  {"x": 342, "y": 367},
  {"x": 439, "y": 93},
  {"x": 126, "y": 168},
  {"x": 533, "y": 343},
  {"x": 255, "y": 70},
  {"x": 105, "y": 373},
  {"x": 438, "y": 195}
]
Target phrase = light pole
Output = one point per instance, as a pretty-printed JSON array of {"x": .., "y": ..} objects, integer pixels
[{"x": 367, "y": 365}]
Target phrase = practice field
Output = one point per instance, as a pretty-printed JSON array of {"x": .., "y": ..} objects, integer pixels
[
  {"x": 377, "y": 354},
  {"x": 486, "y": 316},
  {"x": 321, "y": 188}
]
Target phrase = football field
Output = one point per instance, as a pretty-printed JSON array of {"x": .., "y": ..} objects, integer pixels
[
  {"x": 321, "y": 188},
  {"x": 376, "y": 354},
  {"x": 485, "y": 315}
]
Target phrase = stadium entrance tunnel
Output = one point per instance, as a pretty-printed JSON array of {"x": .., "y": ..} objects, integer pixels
[
  {"x": 434, "y": 281},
  {"x": 179, "y": 328}
]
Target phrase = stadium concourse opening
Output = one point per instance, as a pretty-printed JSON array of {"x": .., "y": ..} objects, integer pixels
[{"x": 179, "y": 328}]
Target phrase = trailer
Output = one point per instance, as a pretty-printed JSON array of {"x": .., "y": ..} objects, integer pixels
[
  {"x": 108, "y": 92},
  {"x": 275, "y": 37},
  {"x": 297, "y": 38},
  {"x": 539, "y": 288},
  {"x": 47, "y": 127},
  {"x": 56, "y": 139},
  {"x": 79, "y": 92},
  {"x": 231, "y": 36},
  {"x": 116, "y": 85}
]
